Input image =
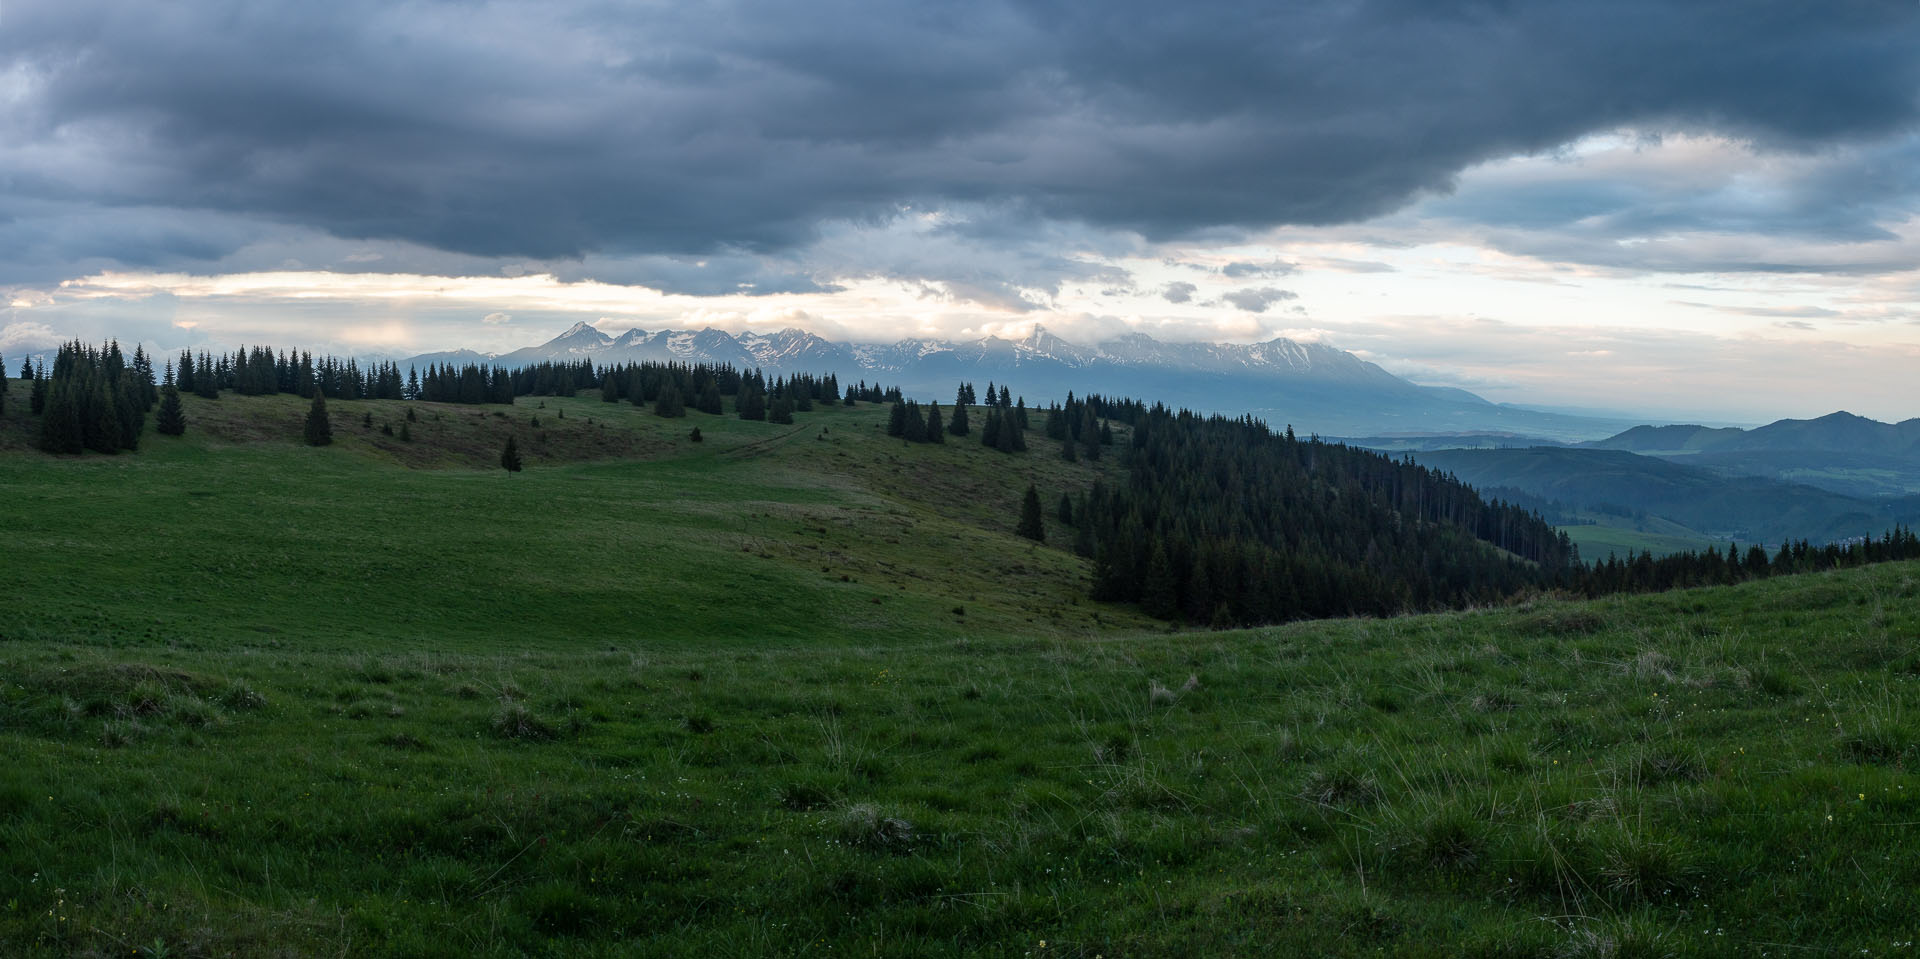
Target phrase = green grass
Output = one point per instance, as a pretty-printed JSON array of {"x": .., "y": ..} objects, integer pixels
[
  {"x": 629, "y": 707},
  {"x": 1598, "y": 542}
]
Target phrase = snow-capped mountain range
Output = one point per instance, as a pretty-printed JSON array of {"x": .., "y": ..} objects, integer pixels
[{"x": 1312, "y": 386}]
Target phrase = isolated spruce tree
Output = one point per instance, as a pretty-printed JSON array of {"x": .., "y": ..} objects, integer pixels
[
  {"x": 990, "y": 433},
  {"x": 319, "y": 431},
  {"x": 957, "y": 423},
  {"x": 781, "y": 411},
  {"x": 1065, "y": 511},
  {"x": 406, "y": 432},
  {"x": 510, "y": 456},
  {"x": 1031, "y": 525}
]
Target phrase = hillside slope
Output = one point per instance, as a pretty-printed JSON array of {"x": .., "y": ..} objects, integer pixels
[
  {"x": 621, "y": 527},
  {"x": 1748, "y": 509}
]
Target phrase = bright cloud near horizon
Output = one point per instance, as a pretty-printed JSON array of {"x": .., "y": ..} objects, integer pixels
[{"x": 1681, "y": 209}]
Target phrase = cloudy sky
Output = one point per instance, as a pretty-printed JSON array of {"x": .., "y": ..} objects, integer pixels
[{"x": 1686, "y": 209}]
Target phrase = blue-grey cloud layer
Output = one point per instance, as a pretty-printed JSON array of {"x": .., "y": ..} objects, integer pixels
[{"x": 581, "y": 130}]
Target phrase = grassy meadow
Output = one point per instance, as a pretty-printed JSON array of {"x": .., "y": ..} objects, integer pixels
[
  {"x": 799, "y": 691},
  {"x": 1599, "y": 542}
]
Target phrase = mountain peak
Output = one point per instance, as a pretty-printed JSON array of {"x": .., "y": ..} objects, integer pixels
[{"x": 583, "y": 332}]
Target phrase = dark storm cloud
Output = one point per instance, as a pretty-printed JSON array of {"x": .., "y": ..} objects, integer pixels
[{"x": 586, "y": 129}]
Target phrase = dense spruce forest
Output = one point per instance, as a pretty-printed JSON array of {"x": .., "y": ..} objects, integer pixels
[{"x": 1220, "y": 522}]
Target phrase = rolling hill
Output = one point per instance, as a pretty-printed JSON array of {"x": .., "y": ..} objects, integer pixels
[
  {"x": 799, "y": 690},
  {"x": 1711, "y": 503},
  {"x": 1839, "y": 452}
]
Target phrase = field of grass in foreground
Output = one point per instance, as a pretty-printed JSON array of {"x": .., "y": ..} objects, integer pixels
[
  {"x": 317, "y": 703},
  {"x": 1710, "y": 772}
]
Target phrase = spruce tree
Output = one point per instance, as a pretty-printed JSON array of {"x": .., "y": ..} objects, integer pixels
[
  {"x": 669, "y": 404},
  {"x": 1030, "y": 521},
  {"x": 936, "y": 430},
  {"x": 60, "y": 430},
  {"x": 130, "y": 405},
  {"x": 406, "y": 432},
  {"x": 897, "y": 420},
  {"x": 957, "y": 423},
  {"x": 510, "y": 456},
  {"x": 1066, "y": 510},
  {"x": 319, "y": 430},
  {"x": 751, "y": 403},
  {"x": 781, "y": 411},
  {"x": 171, "y": 420},
  {"x": 1157, "y": 596},
  {"x": 99, "y": 417},
  {"x": 916, "y": 428}
]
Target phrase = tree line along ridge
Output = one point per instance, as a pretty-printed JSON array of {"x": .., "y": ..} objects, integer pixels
[{"x": 1219, "y": 521}]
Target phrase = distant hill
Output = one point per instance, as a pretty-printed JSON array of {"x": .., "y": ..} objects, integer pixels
[
  {"x": 1313, "y": 387},
  {"x": 1711, "y": 503},
  {"x": 1839, "y": 452}
]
